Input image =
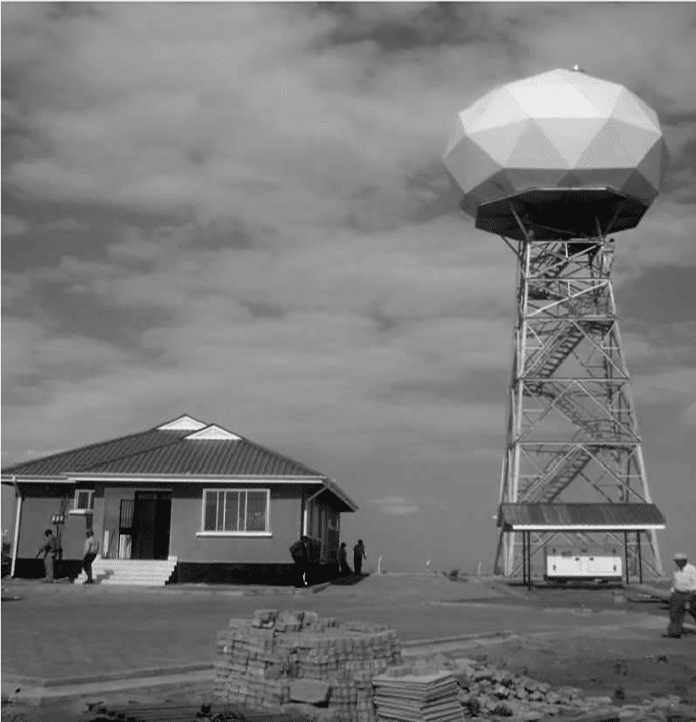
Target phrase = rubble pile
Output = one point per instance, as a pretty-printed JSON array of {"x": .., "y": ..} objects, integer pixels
[
  {"x": 416, "y": 698},
  {"x": 300, "y": 664},
  {"x": 490, "y": 693}
]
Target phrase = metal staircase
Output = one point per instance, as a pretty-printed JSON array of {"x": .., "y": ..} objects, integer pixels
[
  {"x": 556, "y": 478},
  {"x": 547, "y": 359}
]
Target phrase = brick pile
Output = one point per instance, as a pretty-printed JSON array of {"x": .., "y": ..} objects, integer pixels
[{"x": 267, "y": 661}]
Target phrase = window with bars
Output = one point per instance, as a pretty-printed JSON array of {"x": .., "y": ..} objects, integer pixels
[
  {"x": 236, "y": 511},
  {"x": 84, "y": 501}
]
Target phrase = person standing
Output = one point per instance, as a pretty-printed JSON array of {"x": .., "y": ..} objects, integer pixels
[
  {"x": 50, "y": 552},
  {"x": 358, "y": 556},
  {"x": 683, "y": 593},
  {"x": 91, "y": 551},
  {"x": 300, "y": 555},
  {"x": 343, "y": 569}
]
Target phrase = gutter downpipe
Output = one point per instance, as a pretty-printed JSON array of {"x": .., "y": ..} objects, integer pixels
[
  {"x": 306, "y": 504},
  {"x": 18, "y": 515}
]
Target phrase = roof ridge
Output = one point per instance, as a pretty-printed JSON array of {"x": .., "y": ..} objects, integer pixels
[
  {"x": 80, "y": 448},
  {"x": 172, "y": 442},
  {"x": 272, "y": 452},
  {"x": 178, "y": 418}
]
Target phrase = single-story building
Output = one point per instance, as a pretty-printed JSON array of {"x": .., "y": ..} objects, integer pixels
[{"x": 187, "y": 500}]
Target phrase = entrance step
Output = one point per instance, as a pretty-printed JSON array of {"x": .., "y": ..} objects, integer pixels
[{"x": 144, "y": 572}]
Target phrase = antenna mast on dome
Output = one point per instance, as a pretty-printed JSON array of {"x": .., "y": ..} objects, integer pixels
[{"x": 554, "y": 164}]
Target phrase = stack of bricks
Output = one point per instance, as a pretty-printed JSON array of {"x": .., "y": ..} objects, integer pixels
[{"x": 259, "y": 663}]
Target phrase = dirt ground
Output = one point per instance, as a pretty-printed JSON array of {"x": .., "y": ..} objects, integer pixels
[
  {"x": 618, "y": 653},
  {"x": 620, "y": 665},
  {"x": 629, "y": 664}
]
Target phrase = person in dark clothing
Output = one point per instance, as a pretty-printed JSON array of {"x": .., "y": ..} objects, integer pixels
[
  {"x": 343, "y": 569},
  {"x": 300, "y": 555},
  {"x": 91, "y": 551},
  {"x": 358, "y": 556},
  {"x": 50, "y": 552}
]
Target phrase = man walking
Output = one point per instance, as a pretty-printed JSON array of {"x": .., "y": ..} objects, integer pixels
[
  {"x": 358, "y": 556},
  {"x": 91, "y": 551},
  {"x": 50, "y": 552},
  {"x": 683, "y": 593}
]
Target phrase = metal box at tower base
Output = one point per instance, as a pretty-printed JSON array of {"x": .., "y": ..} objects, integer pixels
[{"x": 572, "y": 564}]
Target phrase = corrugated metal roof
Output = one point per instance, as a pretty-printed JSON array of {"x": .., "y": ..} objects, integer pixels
[
  {"x": 609, "y": 516},
  {"x": 166, "y": 452},
  {"x": 85, "y": 457}
]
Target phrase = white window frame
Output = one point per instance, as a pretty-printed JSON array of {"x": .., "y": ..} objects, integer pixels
[
  {"x": 90, "y": 502},
  {"x": 266, "y": 533}
]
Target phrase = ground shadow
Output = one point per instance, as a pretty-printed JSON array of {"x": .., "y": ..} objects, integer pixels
[
  {"x": 579, "y": 584},
  {"x": 349, "y": 580}
]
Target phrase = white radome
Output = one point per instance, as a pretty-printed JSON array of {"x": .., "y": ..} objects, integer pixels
[{"x": 560, "y": 131}]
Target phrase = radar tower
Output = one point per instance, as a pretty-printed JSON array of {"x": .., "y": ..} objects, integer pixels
[{"x": 557, "y": 164}]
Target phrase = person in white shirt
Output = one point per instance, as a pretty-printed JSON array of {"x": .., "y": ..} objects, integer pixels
[
  {"x": 91, "y": 551},
  {"x": 683, "y": 595}
]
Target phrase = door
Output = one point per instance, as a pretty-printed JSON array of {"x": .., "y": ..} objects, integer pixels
[{"x": 151, "y": 524}]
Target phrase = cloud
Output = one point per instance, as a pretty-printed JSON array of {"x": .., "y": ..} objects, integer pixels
[
  {"x": 676, "y": 386},
  {"x": 690, "y": 413},
  {"x": 641, "y": 351},
  {"x": 66, "y": 225},
  {"x": 12, "y": 226},
  {"x": 35, "y": 357},
  {"x": 396, "y": 506},
  {"x": 16, "y": 288}
]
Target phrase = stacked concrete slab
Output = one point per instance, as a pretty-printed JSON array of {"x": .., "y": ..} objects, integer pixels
[
  {"x": 403, "y": 697},
  {"x": 296, "y": 662}
]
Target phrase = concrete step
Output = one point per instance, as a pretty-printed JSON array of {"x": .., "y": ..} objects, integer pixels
[
  {"x": 146, "y": 581},
  {"x": 144, "y": 572}
]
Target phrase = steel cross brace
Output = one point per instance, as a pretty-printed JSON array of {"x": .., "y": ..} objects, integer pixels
[{"x": 568, "y": 358}]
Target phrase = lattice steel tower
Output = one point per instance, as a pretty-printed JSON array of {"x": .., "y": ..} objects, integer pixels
[{"x": 554, "y": 164}]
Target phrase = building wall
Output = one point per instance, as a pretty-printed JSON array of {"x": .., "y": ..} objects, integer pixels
[
  {"x": 285, "y": 526},
  {"x": 246, "y": 559},
  {"x": 40, "y": 502}
]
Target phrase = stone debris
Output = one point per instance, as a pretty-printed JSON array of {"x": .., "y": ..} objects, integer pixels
[{"x": 260, "y": 662}]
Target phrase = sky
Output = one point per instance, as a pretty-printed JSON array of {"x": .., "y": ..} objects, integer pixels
[{"x": 239, "y": 211}]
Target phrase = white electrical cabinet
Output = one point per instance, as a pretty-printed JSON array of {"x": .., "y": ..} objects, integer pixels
[{"x": 565, "y": 564}]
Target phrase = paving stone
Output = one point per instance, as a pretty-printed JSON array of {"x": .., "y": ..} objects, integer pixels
[{"x": 309, "y": 691}]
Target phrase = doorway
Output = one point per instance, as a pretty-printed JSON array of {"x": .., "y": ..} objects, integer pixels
[{"x": 151, "y": 524}]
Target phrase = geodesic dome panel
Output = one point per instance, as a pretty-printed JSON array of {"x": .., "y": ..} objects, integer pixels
[{"x": 560, "y": 135}]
